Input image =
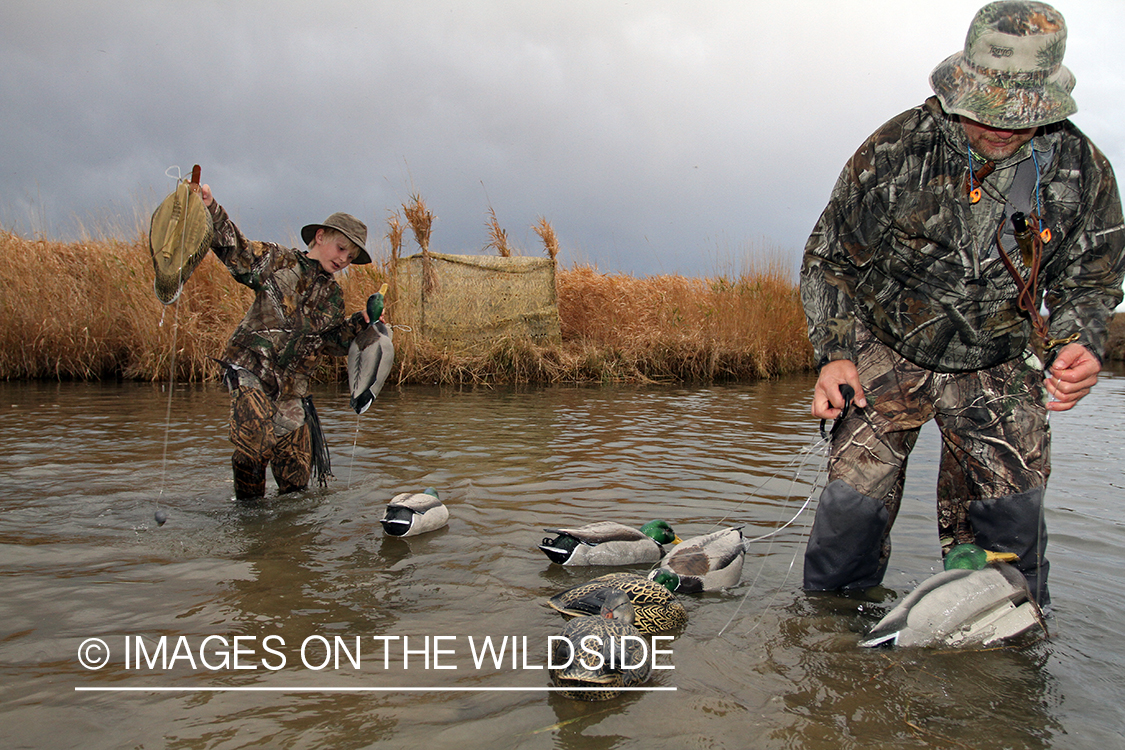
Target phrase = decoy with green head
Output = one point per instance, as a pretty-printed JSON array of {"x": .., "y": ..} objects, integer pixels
[
  {"x": 704, "y": 563},
  {"x": 978, "y": 600},
  {"x": 598, "y": 652},
  {"x": 655, "y": 608},
  {"x": 413, "y": 513},
  {"x": 370, "y": 356},
  {"x": 608, "y": 543}
]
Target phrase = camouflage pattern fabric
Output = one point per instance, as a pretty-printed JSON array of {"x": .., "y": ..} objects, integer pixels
[
  {"x": 257, "y": 444},
  {"x": 901, "y": 249},
  {"x": 993, "y": 423},
  {"x": 297, "y": 313},
  {"x": 1010, "y": 74}
]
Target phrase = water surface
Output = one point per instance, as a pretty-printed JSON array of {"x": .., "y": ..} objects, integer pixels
[{"x": 87, "y": 466}]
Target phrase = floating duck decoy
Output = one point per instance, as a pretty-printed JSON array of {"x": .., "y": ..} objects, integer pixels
[
  {"x": 596, "y": 656},
  {"x": 608, "y": 543},
  {"x": 410, "y": 514},
  {"x": 703, "y": 563},
  {"x": 978, "y": 600},
  {"x": 370, "y": 356},
  {"x": 655, "y": 608}
]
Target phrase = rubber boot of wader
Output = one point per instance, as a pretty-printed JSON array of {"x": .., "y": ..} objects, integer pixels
[
  {"x": 1014, "y": 523},
  {"x": 845, "y": 543}
]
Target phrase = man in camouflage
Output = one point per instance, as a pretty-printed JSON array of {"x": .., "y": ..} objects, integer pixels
[
  {"x": 297, "y": 315},
  {"x": 924, "y": 296}
]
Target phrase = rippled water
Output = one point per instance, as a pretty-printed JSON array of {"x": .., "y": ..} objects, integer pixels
[{"x": 86, "y": 467}]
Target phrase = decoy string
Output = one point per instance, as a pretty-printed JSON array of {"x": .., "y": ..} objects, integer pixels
[
  {"x": 355, "y": 441},
  {"x": 818, "y": 448},
  {"x": 171, "y": 359},
  {"x": 752, "y": 587}
]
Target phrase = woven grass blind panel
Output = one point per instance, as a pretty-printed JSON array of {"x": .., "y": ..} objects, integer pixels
[{"x": 467, "y": 301}]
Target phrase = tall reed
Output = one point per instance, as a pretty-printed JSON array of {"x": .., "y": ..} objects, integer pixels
[
  {"x": 421, "y": 220},
  {"x": 547, "y": 234},
  {"x": 1115, "y": 339},
  {"x": 87, "y": 310},
  {"x": 497, "y": 236}
]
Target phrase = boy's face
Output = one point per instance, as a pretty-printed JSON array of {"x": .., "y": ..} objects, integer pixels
[{"x": 334, "y": 253}]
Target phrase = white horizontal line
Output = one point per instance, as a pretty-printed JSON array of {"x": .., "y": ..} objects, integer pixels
[{"x": 358, "y": 689}]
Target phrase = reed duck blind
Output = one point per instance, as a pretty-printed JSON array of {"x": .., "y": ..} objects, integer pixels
[{"x": 465, "y": 301}]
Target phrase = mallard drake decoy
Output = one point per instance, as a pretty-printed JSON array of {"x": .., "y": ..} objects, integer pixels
[
  {"x": 982, "y": 604},
  {"x": 608, "y": 543},
  {"x": 593, "y": 653},
  {"x": 703, "y": 563},
  {"x": 370, "y": 356},
  {"x": 410, "y": 514},
  {"x": 655, "y": 608}
]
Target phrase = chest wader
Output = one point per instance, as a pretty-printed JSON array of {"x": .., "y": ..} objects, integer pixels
[
  {"x": 995, "y": 459},
  {"x": 1015, "y": 522},
  {"x": 849, "y": 545},
  {"x": 291, "y": 456}
]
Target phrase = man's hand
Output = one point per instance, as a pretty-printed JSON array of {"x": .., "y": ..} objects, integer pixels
[
  {"x": 827, "y": 399},
  {"x": 1073, "y": 374}
]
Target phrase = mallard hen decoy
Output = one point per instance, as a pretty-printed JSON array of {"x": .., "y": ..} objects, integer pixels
[
  {"x": 594, "y": 653},
  {"x": 655, "y": 608}
]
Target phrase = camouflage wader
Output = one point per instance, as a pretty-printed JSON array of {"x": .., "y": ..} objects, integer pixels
[
  {"x": 296, "y": 316},
  {"x": 995, "y": 460},
  {"x": 257, "y": 444}
]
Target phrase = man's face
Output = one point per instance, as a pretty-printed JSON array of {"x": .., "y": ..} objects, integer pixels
[{"x": 992, "y": 143}]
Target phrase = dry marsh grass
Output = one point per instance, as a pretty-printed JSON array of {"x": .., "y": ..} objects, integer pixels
[
  {"x": 1115, "y": 343},
  {"x": 87, "y": 310}
]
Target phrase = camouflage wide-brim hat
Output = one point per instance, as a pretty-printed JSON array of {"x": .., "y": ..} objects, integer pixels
[
  {"x": 352, "y": 228},
  {"x": 1010, "y": 74}
]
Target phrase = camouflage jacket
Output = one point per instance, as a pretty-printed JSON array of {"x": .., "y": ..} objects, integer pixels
[
  {"x": 297, "y": 313},
  {"x": 902, "y": 250}
]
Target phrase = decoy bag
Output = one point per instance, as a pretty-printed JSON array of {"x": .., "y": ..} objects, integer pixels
[{"x": 178, "y": 239}]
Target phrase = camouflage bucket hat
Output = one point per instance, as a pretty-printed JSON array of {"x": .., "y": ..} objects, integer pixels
[
  {"x": 1010, "y": 74},
  {"x": 352, "y": 228}
]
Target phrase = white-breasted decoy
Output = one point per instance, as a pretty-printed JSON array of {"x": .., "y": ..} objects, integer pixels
[
  {"x": 370, "y": 356},
  {"x": 413, "y": 513},
  {"x": 608, "y": 543}
]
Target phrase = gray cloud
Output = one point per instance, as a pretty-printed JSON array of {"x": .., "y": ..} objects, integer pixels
[{"x": 655, "y": 136}]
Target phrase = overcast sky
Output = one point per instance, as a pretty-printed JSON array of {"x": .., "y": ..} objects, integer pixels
[{"x": 656, "y": 137}]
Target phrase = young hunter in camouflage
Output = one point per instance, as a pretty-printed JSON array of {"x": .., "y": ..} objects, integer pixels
[
  {"x": 297, "y": 315},
  {"x": 921, "y": 295}
]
